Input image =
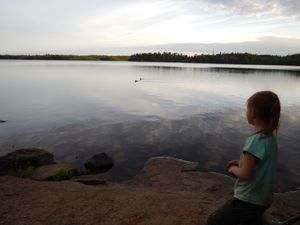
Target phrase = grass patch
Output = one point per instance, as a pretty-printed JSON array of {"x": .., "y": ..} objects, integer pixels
[
  {"x": 25, "y": 171},
  {"x": 62, "y": 175}
]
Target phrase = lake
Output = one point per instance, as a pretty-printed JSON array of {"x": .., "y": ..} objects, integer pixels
[{"x": 134, "y": 111}]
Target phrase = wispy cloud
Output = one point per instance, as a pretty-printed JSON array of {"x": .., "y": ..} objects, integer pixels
[
  {"x": 255, "y": 7},
  {"x": 62, "y": 25}
]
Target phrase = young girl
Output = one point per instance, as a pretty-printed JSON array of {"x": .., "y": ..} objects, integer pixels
[{"x": 255, "y": 171}]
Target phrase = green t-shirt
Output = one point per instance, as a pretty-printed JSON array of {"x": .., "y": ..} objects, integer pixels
[{"x": 259, "y": 189}]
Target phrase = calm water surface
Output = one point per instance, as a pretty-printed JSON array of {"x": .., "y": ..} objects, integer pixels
[{"x": 192, "y": 111}]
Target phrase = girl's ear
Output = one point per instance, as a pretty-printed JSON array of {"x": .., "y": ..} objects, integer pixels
[{"x": 250, "y": 115}]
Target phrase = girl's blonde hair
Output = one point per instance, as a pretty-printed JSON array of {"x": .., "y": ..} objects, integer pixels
[{"x": 266, "y": 107}]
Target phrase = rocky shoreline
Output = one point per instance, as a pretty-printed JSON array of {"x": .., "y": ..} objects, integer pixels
[{"x": 166, "y": 191}]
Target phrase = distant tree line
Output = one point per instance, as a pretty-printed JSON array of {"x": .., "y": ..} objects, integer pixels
[
  {"x": 66, "y": 57},
  {"x": 226, "y": 58}
]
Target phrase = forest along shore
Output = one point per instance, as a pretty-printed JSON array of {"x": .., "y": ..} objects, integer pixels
[{"x": 221, "y": 58}]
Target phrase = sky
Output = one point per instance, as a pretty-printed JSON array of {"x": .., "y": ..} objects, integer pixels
[{"x": 131, "y": 26}]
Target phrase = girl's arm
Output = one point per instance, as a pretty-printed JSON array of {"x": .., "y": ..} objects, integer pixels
[{"x": 245, "y": 171}]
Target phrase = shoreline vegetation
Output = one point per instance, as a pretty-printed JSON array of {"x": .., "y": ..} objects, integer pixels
[
  {"x": 67, "y": 57},
  {"x": 222, "y": 58}
]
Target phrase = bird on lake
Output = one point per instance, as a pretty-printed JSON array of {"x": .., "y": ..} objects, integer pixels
[{"x": 138, "y": 80}]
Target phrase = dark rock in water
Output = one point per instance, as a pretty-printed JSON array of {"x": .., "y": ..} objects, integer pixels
[
  {"x": 36, "y": 157},
  {"x": 56, "y": 172},
  {"x": 2, "y": 121},
  {"x": 90, "y": 180},
  {"x": 23, "y": 158},
  {"x": 99, "y": 163},
  {"x": 5, "y": 166}
]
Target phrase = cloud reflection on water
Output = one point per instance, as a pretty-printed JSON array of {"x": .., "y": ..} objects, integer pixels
[
  {"x": 211, "y": 139},
  {"x": 191, "y": 111}
]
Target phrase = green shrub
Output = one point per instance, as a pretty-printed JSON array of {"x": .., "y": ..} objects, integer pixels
[
  {"x": 62, "y": 175},
  {"x": 25, "y": 171}
]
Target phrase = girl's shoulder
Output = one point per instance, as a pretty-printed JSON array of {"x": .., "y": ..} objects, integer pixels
[
  {"x": 261, "y": 135},
  {"x": 261, "y": 138},
  {"x": 261, "y": 145}
]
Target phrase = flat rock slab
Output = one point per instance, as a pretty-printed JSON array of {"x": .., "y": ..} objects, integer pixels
[
  {"x": 166, "y": 164},
  {"x": 180, "y": 175},
  {"x": 90, "y": 180},
  {"x": 54, "y": 172}
]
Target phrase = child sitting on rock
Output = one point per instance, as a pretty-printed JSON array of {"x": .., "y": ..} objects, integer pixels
[{"x": 255, "y": 171}]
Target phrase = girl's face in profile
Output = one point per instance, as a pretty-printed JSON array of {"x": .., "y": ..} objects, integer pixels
[{"x": 250, "y": 115}]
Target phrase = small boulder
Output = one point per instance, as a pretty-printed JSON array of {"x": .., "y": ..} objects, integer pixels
[
  {"x": 90, "y": 180},
  {"x": 23, "y": 158},
  {"x": 2, "y": 121},
  {"x": 55, "y": 172},
  {"x": 99, "y": 163}
]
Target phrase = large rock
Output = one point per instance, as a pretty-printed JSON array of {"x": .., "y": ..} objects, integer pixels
[
  {"x": 23, "y": 158},
  {"x": 54, "y": 172},
  {"x": 177, "y": 174},
  {"x": 285, "y": 205},
  {"x": 99, "y": 163}
]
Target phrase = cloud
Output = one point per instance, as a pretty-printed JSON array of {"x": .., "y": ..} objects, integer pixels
[
  {"x": 255, "y": 7},
  {"x": 264, "y": 45}
]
